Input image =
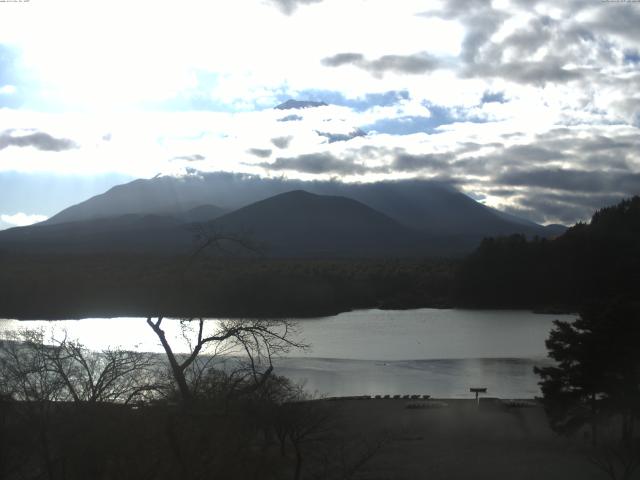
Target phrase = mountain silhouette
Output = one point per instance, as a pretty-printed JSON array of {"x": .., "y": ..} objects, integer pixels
[
  {"x": 300, "y": 223},
  {"x": 293, "y": 224},
  {"x": 434, "y": 208},
  {"x": 131, "y": 233}
]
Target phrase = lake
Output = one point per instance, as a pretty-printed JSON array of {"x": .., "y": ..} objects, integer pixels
[{"x": 367, "y": 352}]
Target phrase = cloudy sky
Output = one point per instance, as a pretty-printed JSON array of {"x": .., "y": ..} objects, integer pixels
[{"x": 529, "y": 106}]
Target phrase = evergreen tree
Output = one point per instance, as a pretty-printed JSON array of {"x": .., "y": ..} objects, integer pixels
[{"x": 596, "y": 378}]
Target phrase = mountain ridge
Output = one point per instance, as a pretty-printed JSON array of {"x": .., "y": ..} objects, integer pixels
[{"x": 432, "y": 207}]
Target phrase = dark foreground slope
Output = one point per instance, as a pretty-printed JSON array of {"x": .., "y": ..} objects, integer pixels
[{"x": 259, "y": 439}]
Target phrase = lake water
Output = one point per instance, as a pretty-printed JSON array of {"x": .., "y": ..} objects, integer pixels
[{"x": 426, "y": 351}]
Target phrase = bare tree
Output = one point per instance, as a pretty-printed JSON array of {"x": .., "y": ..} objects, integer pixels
[
  {"x": 256, "y": 340},
  {"x": 43, "y": 370}
]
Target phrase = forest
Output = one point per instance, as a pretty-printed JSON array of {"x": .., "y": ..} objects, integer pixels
[
  {"x": 599, "y": 259},
  {"x": 76, "y": 286},
  {"x": 590, "y": 261}
]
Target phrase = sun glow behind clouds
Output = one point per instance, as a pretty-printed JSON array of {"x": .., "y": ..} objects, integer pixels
[
  {"x": 22, "y": 219},
  {"x": 103, "y": 56}
]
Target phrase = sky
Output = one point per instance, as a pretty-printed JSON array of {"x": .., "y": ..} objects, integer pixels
[{"x": 532, "y": 107}]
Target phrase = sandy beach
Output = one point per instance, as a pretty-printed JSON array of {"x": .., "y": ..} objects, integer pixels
[{"x": 458, "y": 439}]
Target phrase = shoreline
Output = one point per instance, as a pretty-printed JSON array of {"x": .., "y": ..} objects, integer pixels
[{"x": 306, "y": 316}]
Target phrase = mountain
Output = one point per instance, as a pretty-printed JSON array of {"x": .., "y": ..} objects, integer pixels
[
  {"x": 158, "y": 196},
  {"x": 203, "y": 213},
  {"x": 293, "y": 224},
  {"x": 295, "y": 104},
  {"x": 434, "y": 208},
  {"x": 131, "y": 233},
  {"x": 300, "y": 223}
]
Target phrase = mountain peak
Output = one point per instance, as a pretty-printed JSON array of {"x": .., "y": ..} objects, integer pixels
[{"x": 295, "y": 104}]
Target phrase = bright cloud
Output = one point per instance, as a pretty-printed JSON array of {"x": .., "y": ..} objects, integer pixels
[{"x": 21, "y": 219}]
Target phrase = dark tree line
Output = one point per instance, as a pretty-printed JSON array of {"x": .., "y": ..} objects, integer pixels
[
  {"x": 600, "y": 259},
  {"x": 594, "y": 385},
  {"x": 120, "y": 285}
]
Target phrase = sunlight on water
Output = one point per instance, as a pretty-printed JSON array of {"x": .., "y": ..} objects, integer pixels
[
  {"x": 101, "y": 333},
  {"x": 439, "y": 352}
]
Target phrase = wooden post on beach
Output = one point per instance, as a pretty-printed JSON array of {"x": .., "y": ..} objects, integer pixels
[{"x": 478, "y": 391}]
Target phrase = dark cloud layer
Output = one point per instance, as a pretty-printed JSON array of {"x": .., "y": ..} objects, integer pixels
[
  {"x": 282, "y": 142},
  {"x": 260, "y": 152},
  {"x": 574, "y": 180},
  {"x": 290, "y": 118},
  {"x": 40, "y": 140},
  {"x": 316, "y": 163},
  {"x": 541, "y": 207},
  {"x": 341, "y": 137},
  {"x": 190, "y": 158},
  {"x": 408, "y": 64},
  {"x": 406, "y": 162}
]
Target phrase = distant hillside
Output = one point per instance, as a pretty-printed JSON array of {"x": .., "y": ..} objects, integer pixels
[
  {"x": 130, "y": 233},
  {"x": 299, "y": 223},
  {"x": 203, "y": 213},
  {"x": 432, "y": 207},
  {"x": 600, "y": 259}
]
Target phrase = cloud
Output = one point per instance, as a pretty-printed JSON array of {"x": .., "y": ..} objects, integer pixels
[
  {"x": 260, "y": 152},
  {"x": 340, "y": 59},
  {"x": 362, "y": 102},
  {"x": 574, "y": 180},
  {"x": 39, "y": 140},
  {"x": 8, "y": 90},
  {"x": 531, "y": 153},
  {"x": 619, "y": 20},
  {"x": 542, "y": 207},
  {"x": 292, "y": 104},
  {"x": 282, "y": 142},
  {"x": 342, "y": 137},
  {"x": 316, "y": 163},
  {"x": 550, "y": 69},
  {"x": 21, "y": 219},
  {"x": 189, "y": 158},
  {"x": 289, "y": 6},
  {"x": 404, "y": 64},
  {"x": 406, "y": 162},
  {"x": 290, "y": 118}
]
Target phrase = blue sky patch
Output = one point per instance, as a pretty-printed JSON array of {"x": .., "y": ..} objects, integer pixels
[
  {"x": 360, "y": 104},
  {"x": 493, "y": 97}
]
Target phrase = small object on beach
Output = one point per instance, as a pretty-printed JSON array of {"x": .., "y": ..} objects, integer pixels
[{"x": 477, "y": 391}]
